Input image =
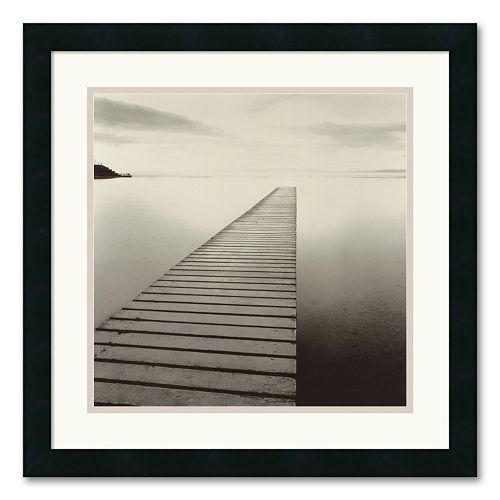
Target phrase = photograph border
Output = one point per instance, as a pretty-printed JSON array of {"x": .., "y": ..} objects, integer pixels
[
  {"x": 408, "y": 191},
  {"x": 460, "y": 40}
]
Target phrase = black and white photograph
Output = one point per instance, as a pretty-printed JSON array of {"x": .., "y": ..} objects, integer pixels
[
  {"x": 250, "y": 247},
  {"x": 250, "y": 250}
]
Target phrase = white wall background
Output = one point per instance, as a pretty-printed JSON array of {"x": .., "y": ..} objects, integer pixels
[{"x": 485, "y": 12}]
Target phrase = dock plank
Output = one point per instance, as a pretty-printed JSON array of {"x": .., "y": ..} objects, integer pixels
[
  {"x": 214, "y": 265},
  {"x": 225, "y": 285},
  {"x": 139, "y": 395},
  {"x": 212, "y": 308},
  {"x": 233, "y": 362},
  {"x": 218, "y": 273},
  {"x": 211, "y": 299},
  {"x": 238, "y": 383},
  {"x": 221, "y": 292},
  {"x": 205, "y": 318},
  {"x": 240, "y": 262},
  {"x": 166, "y": 341},
  {"x": 204, "y": 330},
  {"x": 189, "y": 277}
]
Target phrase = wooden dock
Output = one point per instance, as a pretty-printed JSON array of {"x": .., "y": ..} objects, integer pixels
[{"x": 219, "y": 328}]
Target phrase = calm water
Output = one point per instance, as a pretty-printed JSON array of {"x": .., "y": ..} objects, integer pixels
[
  {"x": 351, "y": 300},
  {"x": 350, "y": 268}
]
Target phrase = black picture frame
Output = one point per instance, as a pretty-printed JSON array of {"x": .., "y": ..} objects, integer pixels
[{"x": 460, "y": 40}]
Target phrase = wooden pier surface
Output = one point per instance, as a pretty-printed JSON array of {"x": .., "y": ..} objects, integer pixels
[{"x": 219, "y": 328}]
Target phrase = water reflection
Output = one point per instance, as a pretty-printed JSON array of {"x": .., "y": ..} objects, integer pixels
[{"x": 351, "y": 292}]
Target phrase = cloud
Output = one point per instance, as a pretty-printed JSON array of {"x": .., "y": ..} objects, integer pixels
[
  {"x": 266, "y": 101},
  {"x": 113, "y": 139},
  {"x": 361, "y": 135},
  {"x": 134, "y": 116}
]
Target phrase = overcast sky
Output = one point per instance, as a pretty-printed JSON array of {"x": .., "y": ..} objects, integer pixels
[{"x": 251, "y": 134}]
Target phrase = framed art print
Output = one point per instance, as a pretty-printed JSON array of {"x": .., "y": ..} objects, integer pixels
[{"x": 250, "y": 250}]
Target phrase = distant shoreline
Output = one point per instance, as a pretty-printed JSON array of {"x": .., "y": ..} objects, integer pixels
[{"x": 103, "y": 172}]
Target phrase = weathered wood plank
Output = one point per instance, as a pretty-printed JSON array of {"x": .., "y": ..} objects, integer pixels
[
  {"x": 287, "y": 270},
  {"x": 259, "y": 243},
  {"x": 254, "y": 242},
  {"x": 282, "y": 251},
  {"x": 264, "y": 226},
  {"x": 203, "y": 330},
  {"x": 222, "y": 292},
  {"x": 223, "y": 247},
  {"x": 235, "y": 267},
  {"x": 247, "y": 237},
  {"x": 267, "y": 260},
  {"x": 229, "y": 279},
  {"x": 235, "y": 247},
  {"x": 234, "y": 362},
  {"x": 225, "y": 284},
  {"x": 210, "y": 299},
  {"x": 242, "y": 233},
  {"x": 270, "y": 233},
  {"x": 206, "y": 319},
  {"x": 265, "y": 385},
  {"x": 140, "y": 395},
  {"x": 217, "y": 253},
  {"x": 166, "y": 341},
  {"x": 240, "y": 261},
  {"x": 232, "y": 274},
  {"x": 223, "y": 265},
  {"x": 261, "y": 229},
  {"x": 212, "y": 308}
]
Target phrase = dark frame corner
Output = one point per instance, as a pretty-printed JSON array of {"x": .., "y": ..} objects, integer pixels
[{"x": 460, "y": 40}]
